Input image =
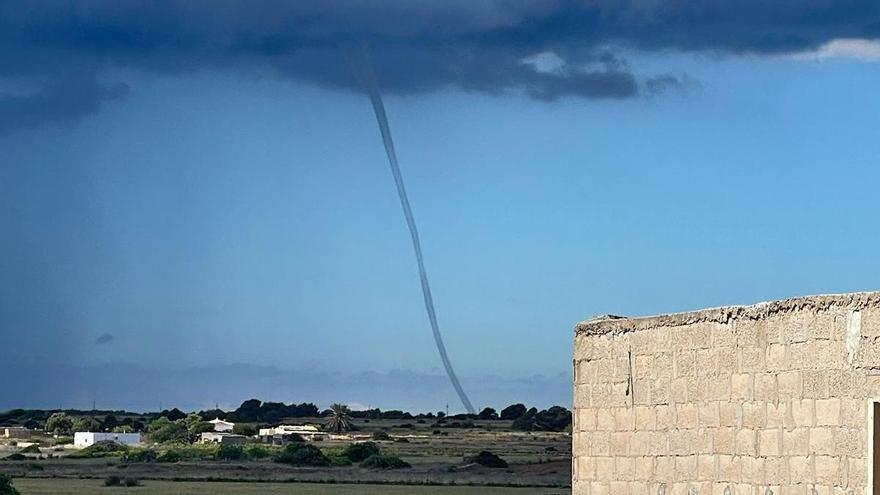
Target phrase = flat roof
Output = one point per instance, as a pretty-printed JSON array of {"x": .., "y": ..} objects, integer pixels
[{"x": 725, "y": 314}]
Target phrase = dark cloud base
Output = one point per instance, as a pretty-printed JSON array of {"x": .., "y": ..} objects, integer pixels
[{"x": 472, "y": 45}]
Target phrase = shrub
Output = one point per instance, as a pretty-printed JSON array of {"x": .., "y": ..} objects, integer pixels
[
  {"x": 112, "y": 480},
  {"x": 244, "y": 429},
  {"x": 103, "y": 448},
  {"x": 31, "y": 449},
  {"x": 299, "y": 454},
  {"x": 230, "y": 452},
  {"x": 401, "y": 440},
  {"x": 6, "y": 487},
  {"x": 255, "y": 451},
  {"x": 169, "y": 456},
  {"x": 132, "y": 482},
  {"x": 338, "y": 460},
  {"x": 63, "y": 440},
  {"x": 381, "y": 435},
  {"x": 358, "y": 452},
  {"x": 486, "y": 459},
  {"x": 384, "y": 462},
  {"x": 295, "y": 438},
  {"x": 141, "y": 455},
  {"x": 16, "y": 457},
  {"x": 512, "y": 412}
]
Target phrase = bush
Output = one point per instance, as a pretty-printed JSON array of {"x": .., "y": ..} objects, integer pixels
[
  {"x": 169, "y": 456},
  {"x": 244, "y": 429},
  {"x": 132, "y": 482},
  {"x": 358, "y": 452},
  {"x": 30, "y": 449},
  {"x": 486, "y": 459},
  {"x": 6, "y": 487},
  {"x": 141, "y": 455},
  {"x": 103, "y": 448},
  {"x": 512, "y": 412},
  {"x": 190, "y": 452},
  {"x": 230, "y": 452},
  {"x": 63, "y": 440},
  {"x": 16, "y": 457},
  {"x": 384, "y": 462},
  {"x": 339, "y": 460},
  {"x": 299, "y": 454},
  {"x": 381, "y": 435},
  {"x": 255, "y": 451},
  {"x": 112, "y": 480}
]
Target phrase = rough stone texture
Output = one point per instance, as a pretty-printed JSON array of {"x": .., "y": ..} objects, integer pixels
[{"x": 770, "y": 398}]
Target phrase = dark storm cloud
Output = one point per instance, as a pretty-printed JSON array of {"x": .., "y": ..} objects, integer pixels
[{"x": 474, "y": 45}]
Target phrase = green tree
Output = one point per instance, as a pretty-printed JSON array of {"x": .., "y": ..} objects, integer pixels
[
  {"x": 244, "y": 429},
  {"x": 339, "y": 420},
  {"x": 6, "y": 487},
  {"x": 86, "y": 423},
  {"x": 513, "y": 411},
  {"x": 488, "y": 413},
  {"x": 59, "y": 423},
  {"x": 195, "y": 426},
  {"x": 163, "y": 430},
  {"x": 358, "y": 452}
]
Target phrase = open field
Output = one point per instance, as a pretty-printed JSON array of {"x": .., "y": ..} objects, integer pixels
[
  {"x": 539, "y": 463},
  {"x": 83, "y": 487}
]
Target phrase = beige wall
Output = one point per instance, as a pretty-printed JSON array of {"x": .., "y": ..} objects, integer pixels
[{"x": 729, "y": 400}]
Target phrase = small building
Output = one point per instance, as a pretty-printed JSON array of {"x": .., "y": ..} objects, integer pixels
[
  {"x": 221, "y": 425},
  {"x": 283, "y": 434},
  {"x": 87, "y": 438},
  {"x": 15, "y": 432},
  {"x": 222, "y": 438}
]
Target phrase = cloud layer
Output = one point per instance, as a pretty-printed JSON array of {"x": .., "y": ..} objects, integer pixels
[{"x": 63, "y": 47}]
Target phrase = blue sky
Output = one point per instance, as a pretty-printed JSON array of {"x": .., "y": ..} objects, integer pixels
[{"x": 211, "y": 218}]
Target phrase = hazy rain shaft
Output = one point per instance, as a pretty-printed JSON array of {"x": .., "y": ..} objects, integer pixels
[{"x": 365, "y": 73}]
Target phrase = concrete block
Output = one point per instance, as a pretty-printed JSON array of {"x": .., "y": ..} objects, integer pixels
[
  {"x": 770, "y": 442},
  {"x": 729, "y": 468},
  {"x": 686, "y": 416},
  {"x": 745, "y": 442},
  {"x": 800, "y": 469},
  {"x": 775, "y": 358},
  {"x": 827, "y": 412},
  {"x": 802, "y": 413},
  {"x": 685, "y": 363},
  {"x": 788, "y": 385},
  {"x": 796, "y": 441},
  {"x": 741, "y": 386},
  {"x": 753, "y": 415},
  {"x": 827, "y": 470},
  {"x": 822, "y": 441}
]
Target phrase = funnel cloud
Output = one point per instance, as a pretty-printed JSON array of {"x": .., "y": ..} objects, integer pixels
[{"x": 368, "y": 78}]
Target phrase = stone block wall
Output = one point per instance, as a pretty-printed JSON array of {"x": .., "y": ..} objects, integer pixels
[{"x": 772, "y": 398}]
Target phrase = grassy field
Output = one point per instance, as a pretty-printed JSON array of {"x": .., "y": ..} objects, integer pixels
[
  {"x": 83, "y": 487},
  {"x": 539, "y": 463}
]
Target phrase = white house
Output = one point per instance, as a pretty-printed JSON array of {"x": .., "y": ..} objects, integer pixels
[
  {"x": 86, "y": 438},
  {"x": 220, "y": 425},
  {"x": 282, "y": 434}
]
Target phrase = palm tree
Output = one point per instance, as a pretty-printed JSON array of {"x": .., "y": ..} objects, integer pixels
[{"x": 339, "y": 420}]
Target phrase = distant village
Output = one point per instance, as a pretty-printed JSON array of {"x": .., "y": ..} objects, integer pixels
[{"x": 269, "y": 423}]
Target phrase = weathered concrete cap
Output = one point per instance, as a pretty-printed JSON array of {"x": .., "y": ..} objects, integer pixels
[{"x": 616, "y": 324}]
